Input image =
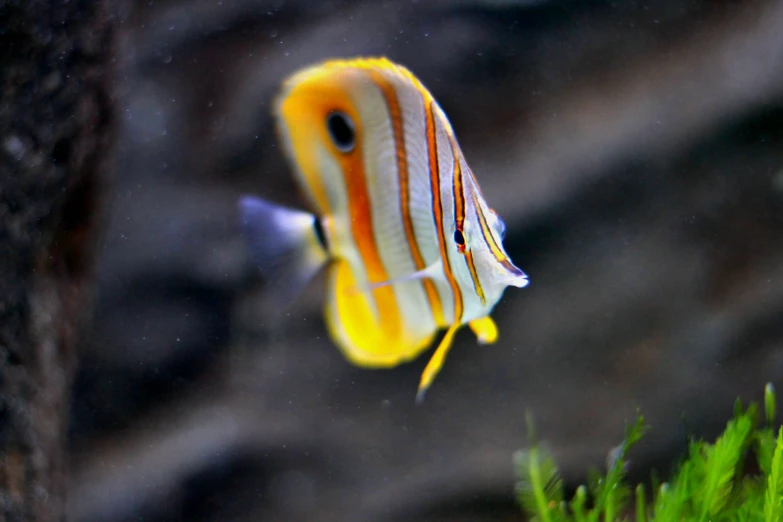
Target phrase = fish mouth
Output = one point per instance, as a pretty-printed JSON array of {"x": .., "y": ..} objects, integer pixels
[
  {"x": 521, "y": 281},
  {"x": 515, "y": 276}
]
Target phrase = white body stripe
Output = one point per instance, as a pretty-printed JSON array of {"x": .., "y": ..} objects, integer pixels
[
  {"x": 419, "y": 190},
  {"x": 382, "y": 178}
]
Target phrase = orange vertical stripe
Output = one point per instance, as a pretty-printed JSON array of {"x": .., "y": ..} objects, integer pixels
[
  {"x": 362, "y": 231},
  {"x": 395, "y": 114},
  {"x": 474, "y": 275},
  {"x": 458, "y": 188},
  {"x": 305, "y": 113},
  {"x": 438, "y": 208}
]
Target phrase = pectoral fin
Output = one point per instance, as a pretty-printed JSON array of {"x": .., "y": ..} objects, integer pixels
[{"x": 434, "y": 271}]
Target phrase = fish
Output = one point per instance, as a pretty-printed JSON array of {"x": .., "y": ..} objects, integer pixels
[{"x": 399, "y": 224}]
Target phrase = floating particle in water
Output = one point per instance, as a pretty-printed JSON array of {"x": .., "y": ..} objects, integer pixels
[{"x": 14, "y": 147}]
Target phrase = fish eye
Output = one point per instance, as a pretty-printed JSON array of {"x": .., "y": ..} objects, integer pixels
[
  {"x": 341, "y": 130},
  {"x": 459, "y": 238}
]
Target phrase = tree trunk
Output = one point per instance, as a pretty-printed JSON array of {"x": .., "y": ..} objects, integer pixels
[{"x": 56, "y": 123}]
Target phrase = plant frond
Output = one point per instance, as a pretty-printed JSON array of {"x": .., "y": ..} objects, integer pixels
[
  {"x": 773, "y": 510},
  {"x": 709, "y": 485},
  {"x": 721, "y": 464},
  {"x": 539, "y": 487}
]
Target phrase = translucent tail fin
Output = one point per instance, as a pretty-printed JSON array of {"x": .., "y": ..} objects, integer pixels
[{"x": 287, "y": 245}]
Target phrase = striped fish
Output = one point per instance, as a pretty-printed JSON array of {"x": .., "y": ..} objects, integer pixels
[{"x": 410, "y": 244}]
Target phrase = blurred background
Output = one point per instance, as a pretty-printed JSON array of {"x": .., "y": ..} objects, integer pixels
[{"x": 635, "y": 151}]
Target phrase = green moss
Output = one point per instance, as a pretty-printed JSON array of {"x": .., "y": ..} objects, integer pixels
[{"x": 709, "y": 485}]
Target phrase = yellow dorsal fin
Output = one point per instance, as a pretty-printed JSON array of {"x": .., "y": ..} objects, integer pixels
[{"x": 367, "y": 63}]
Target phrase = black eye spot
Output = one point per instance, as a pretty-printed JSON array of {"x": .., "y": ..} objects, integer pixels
[
  {"x": 459, "y": 238},
  {"x": 341, "y": 130}
]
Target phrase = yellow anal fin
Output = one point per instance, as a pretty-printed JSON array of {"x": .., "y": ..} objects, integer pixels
[
  {"x": 485, "y": 329},
  {"x": 367, "y": 338},
  {"x": 436, "y": 362}
]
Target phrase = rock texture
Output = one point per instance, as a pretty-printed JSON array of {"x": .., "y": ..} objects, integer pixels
[
  {"x": 634, "y": 149},
  {"x": 56, "y": 125}
]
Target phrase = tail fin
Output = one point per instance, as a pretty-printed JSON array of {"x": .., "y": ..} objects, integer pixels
[{"x": 286, "y": 244}]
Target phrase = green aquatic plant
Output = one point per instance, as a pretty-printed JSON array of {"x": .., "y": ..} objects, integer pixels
[{"x": 737, "y": 478}]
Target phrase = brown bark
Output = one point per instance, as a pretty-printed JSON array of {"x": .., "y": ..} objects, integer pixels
[{"x": 55, "y": 139}]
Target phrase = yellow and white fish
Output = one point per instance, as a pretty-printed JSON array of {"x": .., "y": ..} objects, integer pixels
[{"x": 411, "y": 245}]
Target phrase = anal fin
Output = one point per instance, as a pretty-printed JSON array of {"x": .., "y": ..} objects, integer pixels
[
  {"x": 368, "y": 338},
  {"x": 434, "y": 271}
]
